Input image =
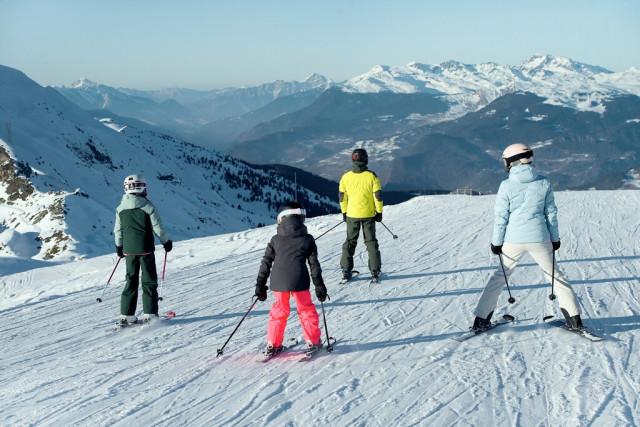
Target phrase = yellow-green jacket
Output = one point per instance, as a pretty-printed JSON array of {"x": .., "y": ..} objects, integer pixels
[{"x": 360, "y": 193}]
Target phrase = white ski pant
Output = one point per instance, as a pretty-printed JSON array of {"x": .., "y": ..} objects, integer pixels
[{"x": 542, "y": 254}]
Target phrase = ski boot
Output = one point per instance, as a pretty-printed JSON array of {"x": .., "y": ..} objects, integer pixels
[
  {"x": 574, "y": 323},
  {"x": 127, "y": 320},
  {"x": 374, "y": 276},
  {"x": 480, "y": 324},
  {"x": 149, "y": 317},
  {"x": 272, "y": 351}
]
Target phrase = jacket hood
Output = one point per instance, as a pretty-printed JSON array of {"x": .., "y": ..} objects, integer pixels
[
  {"x": 358, "y": 167},
  {"x": 523, "y": 173},
  {"x": 131, "y": 201},
  {"x": 291, "y": 226}
]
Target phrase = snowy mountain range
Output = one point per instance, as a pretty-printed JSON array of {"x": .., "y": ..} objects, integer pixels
[
  {"x": 395, "y": 111},
  {"x": 62, "y": 172},
  {"x": 394, "y": 362}
]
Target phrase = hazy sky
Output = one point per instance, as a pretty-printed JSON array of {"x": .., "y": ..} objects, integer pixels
[{"x": 199, "y": 44}]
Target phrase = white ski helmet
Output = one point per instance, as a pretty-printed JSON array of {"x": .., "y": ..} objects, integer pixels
[
  {"x": 519, "y": 152},
  {"x": 291, "y": 209},
  {"x": 135, "y": 184}
]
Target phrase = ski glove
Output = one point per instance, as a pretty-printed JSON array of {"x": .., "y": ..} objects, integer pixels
[
  {"x": 378, "y": 217},
  {"x": 321, "y": 292},
  {"x": 497, "y": 250},
  {"x": 344, "y": 216},
  {"x": 119, "y": 252},
  {"x": 556, "y": 245},
  {"x": 261, "y": 292},
  {"x": 168, "y": 246}
]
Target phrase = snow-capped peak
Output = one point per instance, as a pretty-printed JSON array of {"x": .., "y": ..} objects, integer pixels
[
  {"x": 84, "y": 83},
  {"x": 561, "y": 80}
]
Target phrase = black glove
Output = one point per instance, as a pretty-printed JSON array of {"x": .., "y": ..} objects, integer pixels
[
  {"x": 261, "y": 292},
  {"x": 497, "y": 250},
  {"x": 168, "y": 246},
  {"x": 321, "y": 292},
  {"x": 119, "y": 252},
  {"x": 378, "y": 216},
  {"x": 344, "y": 216},
  {"x": 556, "y": 245}
]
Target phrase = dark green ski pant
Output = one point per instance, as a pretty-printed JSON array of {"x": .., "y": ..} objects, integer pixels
[
  {"x": 349, "y": 247},
  {"x": 129, "y": 298}
]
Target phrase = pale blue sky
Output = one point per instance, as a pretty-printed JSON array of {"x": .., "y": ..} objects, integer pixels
[{"x": 152, "y": 44}]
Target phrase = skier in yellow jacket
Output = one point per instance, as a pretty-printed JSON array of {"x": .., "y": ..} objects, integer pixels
[{"x": 360, "y": 196}]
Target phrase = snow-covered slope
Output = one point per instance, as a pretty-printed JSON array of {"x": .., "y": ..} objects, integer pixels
[
  {"x": 61, "y": 174},
  {"x": 394, "y": 362},
  {"x": 467, "y": 86}
]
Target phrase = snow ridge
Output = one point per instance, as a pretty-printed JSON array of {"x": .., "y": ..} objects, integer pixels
[{"x": 561, "y": 80}]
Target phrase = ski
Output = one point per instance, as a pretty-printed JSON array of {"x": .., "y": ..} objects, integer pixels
[
  {"x": 353, "y": 274},
  {"x": 291, "y": 342},
  {"x": 140, "y": 322},
  {"x": 309, "y": 354},
  {"x": 559, "y": 323},
  {"x": 506, "y": 318}
]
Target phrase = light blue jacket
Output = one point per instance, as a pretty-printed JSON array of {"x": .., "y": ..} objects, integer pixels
[{"x": 525, "y": 210}]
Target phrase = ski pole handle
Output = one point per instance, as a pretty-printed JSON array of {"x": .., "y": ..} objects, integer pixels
[{"x": 99, "y": 299}]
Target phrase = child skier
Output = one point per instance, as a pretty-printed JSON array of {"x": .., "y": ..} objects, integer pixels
[
  {"x": 525, "y": 221},
  {"x": 136, "y": 221},
  {"x": 285, "y": 259}
]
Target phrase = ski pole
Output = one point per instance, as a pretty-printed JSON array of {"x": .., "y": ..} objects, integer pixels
[
  {"x": 162, "y": 282},
  {"x": 394, "y": 235},
  {"x": 329, "y": 230},
  {"x": 99, "y": 299},
  {"x": 552, "y": 296},
  {"x": 329, "y": 345},
  {"x": 234, "y": 331},
  {"x": 511, "y": 299}
]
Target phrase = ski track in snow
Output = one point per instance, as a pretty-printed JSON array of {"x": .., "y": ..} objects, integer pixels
[{"x": 394, "y": 362}]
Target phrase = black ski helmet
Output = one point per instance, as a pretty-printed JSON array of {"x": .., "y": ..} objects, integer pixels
[
  {"x": 294, "y": 209},
  {"x": 360, "y": 155}
]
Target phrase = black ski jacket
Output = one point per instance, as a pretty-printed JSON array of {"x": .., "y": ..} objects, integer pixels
[{"x": 286, "y": 256}]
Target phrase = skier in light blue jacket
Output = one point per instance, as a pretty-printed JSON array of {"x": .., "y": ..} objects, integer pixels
[{"x": 525, "y": 221}]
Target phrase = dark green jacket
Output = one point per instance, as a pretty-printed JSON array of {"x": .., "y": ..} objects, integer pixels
[{"x": 137, "y": 219}]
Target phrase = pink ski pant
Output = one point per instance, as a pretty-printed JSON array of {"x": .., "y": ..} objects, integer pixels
[
  {"x": 279, "y": 313},
  {"x": 541, "y": 254}
]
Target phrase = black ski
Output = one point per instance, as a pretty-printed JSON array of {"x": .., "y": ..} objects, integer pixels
[
  {"x": 506, "y": 318},
  {"x": 560, "y": 323},
  {"x": 291, "y": 342},
  {"x": 308, "y": 355},
  {"x": 353, "y": 274}
]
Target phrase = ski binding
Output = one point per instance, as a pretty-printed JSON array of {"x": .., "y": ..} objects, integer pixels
[
  {"x": 559, "y": 323},
  {"x": 506, "y": 318},
  {"x": 353, "y": 274}
]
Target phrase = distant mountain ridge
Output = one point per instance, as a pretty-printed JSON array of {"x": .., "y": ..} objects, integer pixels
[
  {"x": 397, "y": 111},
  {"x": 62, "y": 173}
]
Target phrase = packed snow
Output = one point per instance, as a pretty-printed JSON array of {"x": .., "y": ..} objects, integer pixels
[{"x": 394, "y": 362}]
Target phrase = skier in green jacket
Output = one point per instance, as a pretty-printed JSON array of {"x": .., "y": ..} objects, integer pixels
[{"x": 137, "y": 220}]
